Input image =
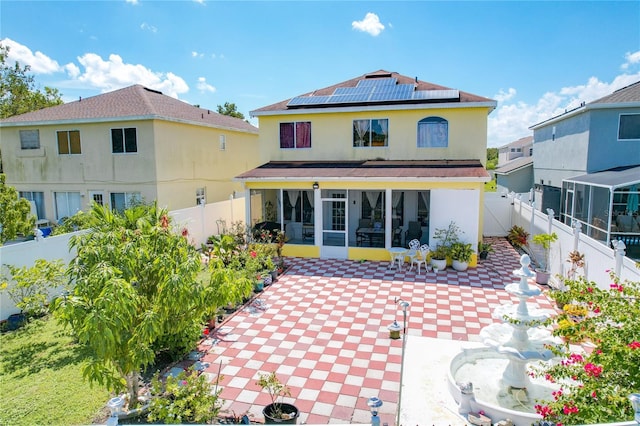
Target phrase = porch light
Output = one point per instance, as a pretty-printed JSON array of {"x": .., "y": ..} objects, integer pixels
[
  {"x": 374, "y": 404},
  {"x": 316, "y": 185},
  {"x": 115, "y": 407}
]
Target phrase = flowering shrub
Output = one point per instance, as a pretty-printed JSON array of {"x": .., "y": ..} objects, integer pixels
[{"x": 595, "y": 384}]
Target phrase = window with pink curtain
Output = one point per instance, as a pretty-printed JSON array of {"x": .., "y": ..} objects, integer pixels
[{"x": 295, "y": 135}]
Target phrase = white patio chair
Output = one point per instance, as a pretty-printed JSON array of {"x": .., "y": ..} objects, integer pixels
[
  {"x": 414, "y": 246},
  {"x": 420, "y": 257}
]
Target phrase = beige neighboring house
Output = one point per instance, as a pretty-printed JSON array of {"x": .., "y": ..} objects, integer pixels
[
  {"x": 523, "y": 147},
  {"x": 130, "y": 144}
]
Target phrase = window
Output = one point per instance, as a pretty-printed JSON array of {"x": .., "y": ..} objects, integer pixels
[
  {"x": 29, "y": 139},
  {"x": 124, "y": 140},
  {"x": 67, "y": 204},
  {"x": 38, "y": 199},
  {"x": 373, "y": 206},
  {"x": 371, "y": 132},
  {"x": 629, "y": 127},
  {"x": 433, "y": 132},
  {"x": 201, "y": 199},
  {"x": 223, "y": 142},
  {"x": 120, "y": 201},
  {"x": 69, "y": 142},
  {"x": 423, "y": 207},
  {"x": 295, "y": 135}
]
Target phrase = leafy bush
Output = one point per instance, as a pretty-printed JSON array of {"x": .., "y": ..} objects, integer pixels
[
  {"x": 518, "y": 237},
  {"x": 30, "y": 290},
  {"x": 445, "y": 238},
  {"x": 595, "y": 385},
  {"x": 187, "y": 398}
]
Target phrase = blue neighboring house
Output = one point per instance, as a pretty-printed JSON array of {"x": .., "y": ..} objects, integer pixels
[{"x": 587, "y": 166}]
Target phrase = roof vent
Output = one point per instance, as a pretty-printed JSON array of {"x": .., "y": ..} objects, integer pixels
[
  {"x": 153, "y": 91},
  {"x": 382, "y": 75}
]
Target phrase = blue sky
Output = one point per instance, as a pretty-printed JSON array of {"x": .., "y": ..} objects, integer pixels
[{"x": 535, "y": 58}]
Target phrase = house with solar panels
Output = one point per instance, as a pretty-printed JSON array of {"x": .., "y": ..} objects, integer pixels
[
  {"x": 123, "y": 146},
  {"x": 353, "y": 169}
]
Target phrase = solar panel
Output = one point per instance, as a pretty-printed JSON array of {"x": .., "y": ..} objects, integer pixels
[
  {"x": 377, "y": 82},
  {"x": 308, "y": 100},
  {"x": 399, "y": 92},
  {"x": 436, "y": 94},
  {"x": 349, "y": 98},
  {"x": 352, "y": 90}
]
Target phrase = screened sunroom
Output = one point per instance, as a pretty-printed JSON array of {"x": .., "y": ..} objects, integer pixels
[{"x": 606, "y": 204}]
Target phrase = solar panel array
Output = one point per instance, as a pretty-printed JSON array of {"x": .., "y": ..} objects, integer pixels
[{"x": 375, "y": 90}]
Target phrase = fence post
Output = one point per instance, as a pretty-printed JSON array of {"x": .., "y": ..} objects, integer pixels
[
  {"x": 577, "y": 229},
  {"x": 533, "y": 219},
  {"x": 619, "y": 252},
  {"x": 550, "y": 214}
]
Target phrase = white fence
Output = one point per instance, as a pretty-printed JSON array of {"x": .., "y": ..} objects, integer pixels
[{"x": 599, "y": 259}]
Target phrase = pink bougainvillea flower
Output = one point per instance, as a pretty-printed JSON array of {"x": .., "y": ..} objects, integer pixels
[
  {"x": 185, "y": 232},
  {"x": 253, "y": 254},
  {"x": 592, "y": 369},
  {"x": 634, "y": 345}
]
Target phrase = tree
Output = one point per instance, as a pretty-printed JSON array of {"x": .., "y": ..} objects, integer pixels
[
  {"x": 492, "y": 158},
  {"x": 230, "y": 109},
  {"x": 136, "y": 294},
  {"x": 18, "y": 92},
  {"x": 15, "y": 213}
]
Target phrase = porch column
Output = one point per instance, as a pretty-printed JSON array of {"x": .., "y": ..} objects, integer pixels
[
  {"x": 317, "y": 217},
  {"x": 387, "y": 217},
  {"x": 247, "y": 207}
]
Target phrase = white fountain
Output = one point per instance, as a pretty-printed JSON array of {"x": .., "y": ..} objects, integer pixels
[{"x": 494, "y": 378}]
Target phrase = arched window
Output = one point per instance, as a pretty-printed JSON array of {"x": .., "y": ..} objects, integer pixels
[{"x": 433, "y": 132}]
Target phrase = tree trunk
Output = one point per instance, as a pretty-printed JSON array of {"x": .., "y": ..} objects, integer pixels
[{"x": 132, "y": 388}]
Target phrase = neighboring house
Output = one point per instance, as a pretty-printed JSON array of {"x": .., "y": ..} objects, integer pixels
[
  {"x": 130, "y": 144},
  {"x": 355, "y": 168},
  {"x": 587, "y": 165},
  {"x": 523, "y": 147},
  {"x": 515, "y": 176}
]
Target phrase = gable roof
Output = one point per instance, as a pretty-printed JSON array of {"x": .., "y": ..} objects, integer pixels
[
  {"x": 514, "y": 165},
  {"x": 527, "y": 140},
  {"x": 444, "y": 95},
  {"x": 130, "y": 103},
  {"x": 630, "y": 93}
]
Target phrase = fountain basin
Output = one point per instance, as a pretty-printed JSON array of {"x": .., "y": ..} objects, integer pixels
[{"x": 483, "y": 367}]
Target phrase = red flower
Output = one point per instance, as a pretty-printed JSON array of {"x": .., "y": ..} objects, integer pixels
[
  {"x": 570, "y": 409},
  {"x": 544, "y": 410},
  {"x": 596, "y": 310},
  {"x": 592, "y": 370},
  {"x": 185, "y": 232},
  {"x": 253, "y": 254},
  {"x": 634, "y": 345},
  {"x": 205, "y": 331}
]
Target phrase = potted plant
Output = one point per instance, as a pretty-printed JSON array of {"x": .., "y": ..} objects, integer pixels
[
  {"x": 278, "y": 412},
  {"x": 461, "y": 254},
  {"x": 484, "y": 249},
  {"x": 445, "y": 237},
  {"x": 544, "y": 241}
]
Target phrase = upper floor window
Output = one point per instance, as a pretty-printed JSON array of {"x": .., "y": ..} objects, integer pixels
[
  {"x": 295, "y": 135},
  {"x": 371, "y": 132},
  {"x": 29, "y": 139},
  {"x": 433, "y": 132},
  {"x": 124, "y": 140},
  {"x": 629, "y": 127},
  {"x": 69, "y": 142},
  {"x": 223, "y": 142}
]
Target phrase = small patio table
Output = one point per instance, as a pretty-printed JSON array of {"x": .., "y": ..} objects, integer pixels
[{"x": 397, "y": 254}]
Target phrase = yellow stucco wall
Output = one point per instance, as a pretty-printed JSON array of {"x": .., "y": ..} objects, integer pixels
[
  {"x": 332, "y": 135},
  {"x": 189, "y": 157},
  {"x": 171, "y": 161}
]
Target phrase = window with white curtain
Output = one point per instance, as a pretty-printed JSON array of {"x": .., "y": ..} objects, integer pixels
[
  {"x": 37, "y": 198},
  {"x": 67, "y": 204},
  {"x": 433, "y": 132},
  {"x": 368, "y": 133}
]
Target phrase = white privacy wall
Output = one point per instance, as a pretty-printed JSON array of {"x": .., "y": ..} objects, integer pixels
[{"x": 460, "y": 206}]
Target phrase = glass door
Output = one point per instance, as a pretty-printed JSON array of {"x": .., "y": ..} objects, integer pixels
[{"x": 334, "y": 224}]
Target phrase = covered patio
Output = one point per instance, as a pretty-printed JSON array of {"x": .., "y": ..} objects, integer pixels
[
  {"x": 360, "y": 209},
  {"x": 606, "y": 204}
]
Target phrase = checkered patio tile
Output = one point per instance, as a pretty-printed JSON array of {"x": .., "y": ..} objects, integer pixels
[{"x": 322, "y": 327}]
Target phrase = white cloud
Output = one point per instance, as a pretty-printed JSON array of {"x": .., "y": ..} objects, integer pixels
[
  {"x": 503, "y": 96},
  {"x": 132, "y": 1},
  {"x": 370, "y": 24},
  {"x": 148, "y": 27},
  {"x": 512, "y": 121},
  {"x": 39, "y": 62},
  {"x": 631, "y": 59},
  {"x": 114, "y": 74},
  {"x": 200, "y": 1},
  {"x": 203, "y": 86},
  {"x": 195, "y": 54}
]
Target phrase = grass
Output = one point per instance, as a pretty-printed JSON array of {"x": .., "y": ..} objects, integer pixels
[
  {"x": 41, "y": 379},
  {"x": 490, "y": 186}
]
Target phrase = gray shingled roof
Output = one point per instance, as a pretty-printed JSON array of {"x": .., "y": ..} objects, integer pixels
[
  {"x": 133, "y": 102},
  {"x": 420, "y": 85},
  {"x": 630, "y": 93},
  {"x": 514, "y": 165}
]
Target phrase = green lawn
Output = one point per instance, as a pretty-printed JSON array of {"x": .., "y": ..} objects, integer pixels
[{"x": 41, "y": 379}]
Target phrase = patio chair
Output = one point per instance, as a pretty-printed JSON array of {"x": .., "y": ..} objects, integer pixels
[
  {"x": 396, "y": 233},
  {"x": 420, "y": 257},
  {"x": 414, "y": 246},
  {"x": 361, "y": 237},
  {"x": 414, "y": 232}
]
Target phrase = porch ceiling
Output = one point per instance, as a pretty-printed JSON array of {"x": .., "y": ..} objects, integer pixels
[{"x": 376, "y": 169}]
